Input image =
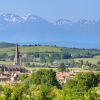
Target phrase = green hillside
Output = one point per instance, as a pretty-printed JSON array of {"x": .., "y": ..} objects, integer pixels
[{"x": 31, "y": 49}]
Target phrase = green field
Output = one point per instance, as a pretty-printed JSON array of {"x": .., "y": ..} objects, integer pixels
[
  {"x": 91, "y": 60},
  {"x": 23, "y": 49},
  {"x": 6, "y": 62}
]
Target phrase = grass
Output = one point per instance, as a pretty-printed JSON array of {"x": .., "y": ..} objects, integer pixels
[
  {"x": 9, "y": 51},
  {"x": 23, "y": 49},
  {"x": 39, "y": 49},
  {"x": 6, "y": 63},
  {"x": 91, "y": 60}
]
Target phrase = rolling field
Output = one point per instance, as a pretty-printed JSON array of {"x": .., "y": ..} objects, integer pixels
[{"x": 23, "y": 49}]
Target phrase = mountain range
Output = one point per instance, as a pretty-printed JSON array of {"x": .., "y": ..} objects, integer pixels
[{"x": 31, "y": 29}]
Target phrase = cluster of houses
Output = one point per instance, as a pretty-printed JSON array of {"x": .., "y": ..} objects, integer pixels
[
  {"x": 63, "y": 77},
  {"x": 10, "y": 73}
]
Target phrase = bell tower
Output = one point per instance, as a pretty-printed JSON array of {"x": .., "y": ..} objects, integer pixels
[{"x": 18, "y": 57}]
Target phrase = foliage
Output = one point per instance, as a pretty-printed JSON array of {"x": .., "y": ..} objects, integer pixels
[
  {"x": 7, "y": 93},
  {"x": 45, "y": 76},
  {"x": 23, "y": 77}
]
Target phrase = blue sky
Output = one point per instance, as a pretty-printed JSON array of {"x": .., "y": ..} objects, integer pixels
[{"x": 53, "y": 9}]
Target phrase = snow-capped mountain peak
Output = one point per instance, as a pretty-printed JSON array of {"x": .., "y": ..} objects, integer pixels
[
  {"x": 63, "y": 22},
  {"x": 31, "y": 17},
  {"x": 11, "y": 18}
]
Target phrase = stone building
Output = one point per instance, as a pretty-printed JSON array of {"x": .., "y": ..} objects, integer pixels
[{"x": 18, "y": 57}]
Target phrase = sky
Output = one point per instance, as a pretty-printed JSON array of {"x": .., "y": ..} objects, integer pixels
[{"x": 53, "y": 9}]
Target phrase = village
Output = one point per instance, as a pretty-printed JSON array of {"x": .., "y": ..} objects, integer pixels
[{"x": 10, "y": 73}]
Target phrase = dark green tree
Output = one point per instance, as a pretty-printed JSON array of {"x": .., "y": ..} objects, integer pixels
[{"x": 45, "y": 76}]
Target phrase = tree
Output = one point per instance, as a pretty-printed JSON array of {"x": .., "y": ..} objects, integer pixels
[
  {"x": 1, "y": 88},
  {"x": 23, "y": 77},
  {"x": 89, "y": 79},
  {"x": 42, "y": 92},
  {"x": 45, "y": 76},
  {"x": 18, "y": 92},
  {"x": 81, "y": 62},
  {"x": 91, "y": 95},
  {"x": 80, "y": 87},
  {"x": 62, "y": 67},
  {"x": 7, "y": 93},
  {"x": 66, "y": 55}
]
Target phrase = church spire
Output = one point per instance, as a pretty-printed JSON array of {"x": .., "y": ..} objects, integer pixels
[{"x": 18, "y": 57}]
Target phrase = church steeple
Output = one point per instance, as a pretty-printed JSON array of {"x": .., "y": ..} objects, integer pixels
[{"x": 18, "y": 57}]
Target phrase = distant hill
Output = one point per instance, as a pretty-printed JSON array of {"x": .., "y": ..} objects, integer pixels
[{"x": 6, "y": 45}]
